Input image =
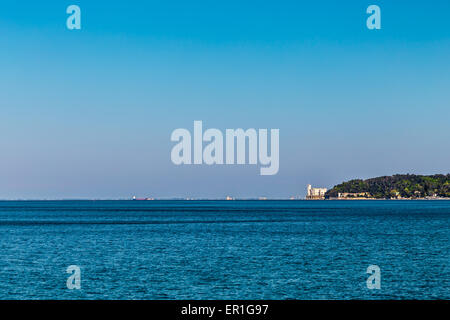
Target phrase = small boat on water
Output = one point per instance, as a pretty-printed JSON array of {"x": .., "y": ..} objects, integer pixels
[{"x": 142, "y": 199}]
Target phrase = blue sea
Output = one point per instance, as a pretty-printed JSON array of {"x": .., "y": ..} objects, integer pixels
[{"x": 225, "y": 249}]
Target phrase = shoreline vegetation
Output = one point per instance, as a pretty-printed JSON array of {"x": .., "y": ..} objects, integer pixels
[{"x": 396, "y": 187}]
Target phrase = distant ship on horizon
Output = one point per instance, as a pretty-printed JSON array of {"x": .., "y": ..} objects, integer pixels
[{"x": 141, "y": 199}]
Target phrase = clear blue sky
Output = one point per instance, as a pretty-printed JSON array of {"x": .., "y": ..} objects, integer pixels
[{"x": 89, "y": 113}]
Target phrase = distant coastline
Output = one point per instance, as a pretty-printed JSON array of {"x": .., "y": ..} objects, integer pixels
[{"x": 396, "y": 187}]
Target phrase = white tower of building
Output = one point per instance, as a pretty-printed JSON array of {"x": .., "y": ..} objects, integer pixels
[{"x": 315, "y": 193}]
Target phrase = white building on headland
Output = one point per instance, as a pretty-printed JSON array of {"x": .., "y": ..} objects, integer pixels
[{"x": 315, "y": 193}]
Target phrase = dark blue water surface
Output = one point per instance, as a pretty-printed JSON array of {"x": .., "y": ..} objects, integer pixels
[{"x": 225, "y": 249}]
